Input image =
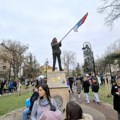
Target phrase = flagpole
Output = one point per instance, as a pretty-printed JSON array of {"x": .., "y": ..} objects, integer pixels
[
  {"x": 68, "y": 33},
  {"x": 74, "y": 26}
]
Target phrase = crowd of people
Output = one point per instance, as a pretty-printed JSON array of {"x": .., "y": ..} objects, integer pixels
[
  {"x": 89, "y": 82},
  {"x": 112, "y": 84},
  {"x": 84, "y": 83},
  {"x": 10, "y": 86},
  {"x": 44, "y": 107}
]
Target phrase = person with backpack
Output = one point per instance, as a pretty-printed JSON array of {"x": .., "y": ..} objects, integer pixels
[{"x": 33, "y": 98}]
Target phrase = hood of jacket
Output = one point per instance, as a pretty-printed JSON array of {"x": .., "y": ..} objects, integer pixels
[{"x": 43, "y": 102}]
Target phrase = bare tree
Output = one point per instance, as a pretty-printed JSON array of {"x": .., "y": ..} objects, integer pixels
[
  {"x": 112, "y": 10},
  {"x": 16, "y": 50},
  {"x": 68, "y": 58},
  {"x": 113, "y": 48}
]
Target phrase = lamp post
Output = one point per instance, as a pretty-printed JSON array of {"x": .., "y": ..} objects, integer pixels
[{"x": 88, "y": 55}]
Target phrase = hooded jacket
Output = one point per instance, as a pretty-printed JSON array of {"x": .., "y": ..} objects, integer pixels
[{"x": 51, "y": 115}]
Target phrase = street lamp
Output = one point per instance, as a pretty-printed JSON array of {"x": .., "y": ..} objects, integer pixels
[{"x": 88, "y": 55}]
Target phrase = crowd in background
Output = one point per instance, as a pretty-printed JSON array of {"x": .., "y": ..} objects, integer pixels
[
  {"x": 75, "y": 84},
  {"x": 88, "y": 82},
  {"x": 16, "y": 85},
  {"x": 9, "y": 86}
]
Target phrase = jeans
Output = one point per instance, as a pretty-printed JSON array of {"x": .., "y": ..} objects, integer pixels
[
  {"x": 87, "y": 97},
  {"x": 26, "y": 112},
  {"x": 96, "y": 97}
]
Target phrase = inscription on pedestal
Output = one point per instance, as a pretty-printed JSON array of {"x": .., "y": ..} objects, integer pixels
[{"x": 56, "y": 79}]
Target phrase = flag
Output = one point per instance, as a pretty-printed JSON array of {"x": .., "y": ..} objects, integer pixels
[{"x": 75, "y": 28}]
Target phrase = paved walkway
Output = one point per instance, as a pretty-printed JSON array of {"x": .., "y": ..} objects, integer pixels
[
  {"x": 97, "y": 115},
  {"x": 102, "y": 111},
  {"x": 87, "y": 109}
]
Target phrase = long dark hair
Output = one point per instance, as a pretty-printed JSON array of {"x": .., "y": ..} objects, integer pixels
[
  {"x": 48, "y": 96},
  {"x": 45, "y": 87},
  {"x": 73, "y": 111},
  {"x": 54, "y": 40}
]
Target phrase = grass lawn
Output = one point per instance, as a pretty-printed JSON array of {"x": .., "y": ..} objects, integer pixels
[{"x": 12, "y": 102}]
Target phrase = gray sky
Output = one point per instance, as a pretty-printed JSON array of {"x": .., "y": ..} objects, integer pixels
[{"x": 36, "y": 22}]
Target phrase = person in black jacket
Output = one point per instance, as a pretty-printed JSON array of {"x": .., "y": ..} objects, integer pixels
[
  {"x": 33, "y": 98},
  {"x": 115, "y": 91},
  {"x": 95, "y": 89},
  {"x": 71, "y": 80},
  {"x": 56, "y": 53},
  {"x": 86, "y": 86}
]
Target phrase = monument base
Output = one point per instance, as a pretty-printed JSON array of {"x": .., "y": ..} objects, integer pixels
[{"x": 58, "y": 89}]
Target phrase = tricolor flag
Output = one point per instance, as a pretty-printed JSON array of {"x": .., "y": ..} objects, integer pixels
[{"x": 75, "y": 28}]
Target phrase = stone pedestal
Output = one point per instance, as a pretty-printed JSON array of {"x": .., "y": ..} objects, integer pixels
[{"x": 58, "y": 88}]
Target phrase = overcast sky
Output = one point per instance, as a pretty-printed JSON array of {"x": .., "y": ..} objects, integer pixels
[{"x": 36, "y": 22}]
